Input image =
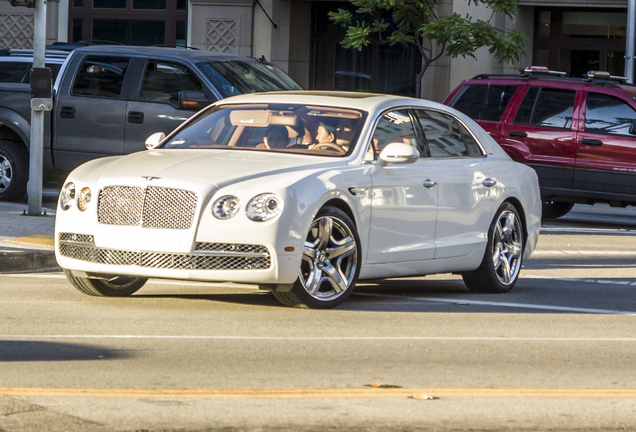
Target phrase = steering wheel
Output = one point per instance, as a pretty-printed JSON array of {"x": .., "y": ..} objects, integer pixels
[{"x": 328, "y": 146}]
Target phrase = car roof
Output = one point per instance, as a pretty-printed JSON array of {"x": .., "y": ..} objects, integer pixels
[
  {"x": 356, "y": 100},
  {"x": 518, "y": 79},
  {"x": 181, "y": 53}
]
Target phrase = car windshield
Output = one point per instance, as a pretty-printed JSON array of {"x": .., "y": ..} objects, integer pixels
[
  {"x": 289, "y": 128},
  {"x": 236, "y": 77}
]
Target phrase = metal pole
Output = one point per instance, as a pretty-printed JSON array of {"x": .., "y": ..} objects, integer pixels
[
  {"x": 629, "y": 48},
  {"x": 34, "y": 187}
]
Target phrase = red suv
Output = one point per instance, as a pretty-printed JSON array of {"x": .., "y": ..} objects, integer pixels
[{"x": 578, "y": 134}]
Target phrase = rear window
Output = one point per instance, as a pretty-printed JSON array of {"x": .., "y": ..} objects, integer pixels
[
  {"x": 101, "y": 76},
  {"x": 547, "y": 107},
  {"x": 484, "y": 102},
  {"x": 13, "y": 72}
]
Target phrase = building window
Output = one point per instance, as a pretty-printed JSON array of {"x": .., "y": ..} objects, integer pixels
[
  {"x": 378, "y": 68},
  {"x": 577, "y": 41},
  {"x": 130, "y": 22}
]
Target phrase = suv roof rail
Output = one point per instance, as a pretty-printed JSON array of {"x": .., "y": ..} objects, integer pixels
[
  {"x": 602, "y": 75},
  {"x": 174, "y": 46},
  {"x": 540, "y": 70}
]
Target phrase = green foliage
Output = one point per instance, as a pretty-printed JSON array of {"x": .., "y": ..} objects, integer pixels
[{"x": 418, "y": 23}]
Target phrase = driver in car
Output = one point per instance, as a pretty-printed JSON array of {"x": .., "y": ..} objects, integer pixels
[{"x": 326, "y": 133}]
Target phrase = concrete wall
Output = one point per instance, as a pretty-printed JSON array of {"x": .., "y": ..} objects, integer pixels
[{"x": 221, "y": 25}]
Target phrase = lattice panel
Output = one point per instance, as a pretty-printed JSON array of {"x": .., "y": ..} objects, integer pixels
[
  {"x": 16, "y": 31},
  {"x": 221, "y": 35}
]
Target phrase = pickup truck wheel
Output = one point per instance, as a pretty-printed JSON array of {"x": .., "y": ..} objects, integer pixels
[
  {"x": 118, "y": 286},
  {"x": 554, "y": 210},
  {"x": 14, "y": 171}
]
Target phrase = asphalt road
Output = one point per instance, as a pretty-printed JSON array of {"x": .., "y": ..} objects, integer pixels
[{"x": 556, "y": 353}]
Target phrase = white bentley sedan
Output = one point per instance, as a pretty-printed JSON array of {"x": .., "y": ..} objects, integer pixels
[{"x": 303, "y": 194}]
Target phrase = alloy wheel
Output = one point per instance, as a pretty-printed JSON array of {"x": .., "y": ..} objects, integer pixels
[
  {"x": 6, "y": 173},
  {"x": 329, "y": 260},
  {"x": 507, "y": 247}
]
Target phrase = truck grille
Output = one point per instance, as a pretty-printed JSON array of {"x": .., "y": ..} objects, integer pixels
[
  {"x": 151, "y": 207},
  {"x": 206, "y": 256}
]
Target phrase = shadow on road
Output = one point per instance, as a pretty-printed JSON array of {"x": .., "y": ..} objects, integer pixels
[{"x": 32, "y": 351}]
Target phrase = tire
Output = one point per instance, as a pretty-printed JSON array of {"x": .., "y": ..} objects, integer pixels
[
  {"x": 120, "y": 286},
  {"x": 330, "y": 264},
  {"x": 14, "y": 171},
  {"x": 499, "y": 270},
  {"x": 554, "y": 210}
]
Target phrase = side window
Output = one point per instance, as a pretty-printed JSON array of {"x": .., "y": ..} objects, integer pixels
[
  {"x": 100, "y": 76},
  {"x": 162, "y": 82},
  {"x": 608, "y": 114},
  {"x": 13, "y": 72},
  {"x": 547, "y": 107},
  {"x": 394, "y": 126},
  {"x": 484, "y": 102},
  {"x": 443, "y": 134}
]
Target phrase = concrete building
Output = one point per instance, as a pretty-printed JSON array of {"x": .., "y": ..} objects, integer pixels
[{"x": 569, "y": 35}]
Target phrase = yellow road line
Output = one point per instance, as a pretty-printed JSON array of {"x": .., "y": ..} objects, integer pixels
[
  {"x": 366, "y": 392},
  {"x": 35, "y": 239}
]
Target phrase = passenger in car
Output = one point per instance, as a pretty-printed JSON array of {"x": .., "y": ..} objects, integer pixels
[{"x": 276, "y": 137}]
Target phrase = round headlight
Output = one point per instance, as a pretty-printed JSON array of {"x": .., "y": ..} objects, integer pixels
[
  {"x": 67, "y": 196},
  {"x": 226, "y": 207},
  {"x": 83, "y": 199},
  {"x": 264, "y": 207}
]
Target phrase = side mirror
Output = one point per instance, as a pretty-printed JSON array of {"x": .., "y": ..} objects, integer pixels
[
  {"x": 398, "y": 153},
  {"x": 154, "y": 140},
  {"x": 192, "y": 100}
]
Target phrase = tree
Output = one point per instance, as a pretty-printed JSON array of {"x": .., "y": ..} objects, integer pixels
[{"x": 418, "y": 23}]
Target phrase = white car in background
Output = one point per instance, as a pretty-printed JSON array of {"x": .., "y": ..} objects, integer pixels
[{"x": 244, "y": 192}]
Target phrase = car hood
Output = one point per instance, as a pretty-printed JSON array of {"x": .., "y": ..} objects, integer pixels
[{"x": 215, "y": 167}]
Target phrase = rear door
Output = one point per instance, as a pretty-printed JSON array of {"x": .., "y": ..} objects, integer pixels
[
  {"x": 606, "y": 156},
  {"x": 155, "y": 107},
  {"x": 542, "y": 132},
  {"x": 90, "y": 114}
]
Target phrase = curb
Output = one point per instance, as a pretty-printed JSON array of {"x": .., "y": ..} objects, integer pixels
[{"x": 27, "y": 261}]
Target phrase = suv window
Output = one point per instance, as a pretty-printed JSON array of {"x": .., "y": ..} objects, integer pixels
[
  {"x": 444, "y": 136},
  {"x": 13, "y": 72},
  {"x": 547, "y": 107},
  {"x": 394, "y": 126},
  {"x": 484, "y": 102},
  {"x": 608, "y": 114},
  {"x": 162, "y": 82},
  {"x": 101, "y": 76}
]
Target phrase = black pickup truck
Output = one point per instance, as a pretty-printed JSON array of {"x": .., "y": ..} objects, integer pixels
[{"x": 108, "y": 99}]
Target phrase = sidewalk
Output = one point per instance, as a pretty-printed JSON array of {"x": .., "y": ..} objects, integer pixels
[{"x": 26, "y": 242}]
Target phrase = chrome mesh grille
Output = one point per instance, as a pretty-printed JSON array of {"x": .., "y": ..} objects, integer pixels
[
  {"x": 221, "y": 256},
  {"x": 151, "y": 207},
  {"x": 120, "y": 205},
  {"x": 77, "y": 238}
]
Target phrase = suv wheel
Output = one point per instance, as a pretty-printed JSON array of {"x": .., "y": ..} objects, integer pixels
[{"x": 554, "y": 210}]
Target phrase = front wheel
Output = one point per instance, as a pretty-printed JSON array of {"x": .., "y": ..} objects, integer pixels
[
  {"x": 117, "y": 286},
  {"x": 499, "y": 270},
  {"x": 330, "y": 264}
]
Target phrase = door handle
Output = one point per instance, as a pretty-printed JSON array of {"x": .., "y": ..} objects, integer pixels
[
  {"x": 428, "y": 183},
  {"x": 135, "y": 117},
  {"x": 67, "y": 112},
  {"x": 591, "y": 142},
  {"x": 489, "y": 182},
  {"x": 518, "y": 134}
]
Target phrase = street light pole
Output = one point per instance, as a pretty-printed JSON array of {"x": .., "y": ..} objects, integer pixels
[
  {"x": 36, "y": 151},
  {"x": 629, "y": 48}
]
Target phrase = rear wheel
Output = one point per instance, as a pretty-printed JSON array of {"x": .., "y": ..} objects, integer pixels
[
  {"x": 499, "y": 270},
  {"x": 14, "y": 171},
  {"x": 330, "y": 264},
  {"x": 117, "y": 286},
  {"x": 554, "y": 210}
]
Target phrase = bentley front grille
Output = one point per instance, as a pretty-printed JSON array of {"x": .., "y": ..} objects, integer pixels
[
  {"x": 206, "y": 256},
  {"x": 151, "y": 207}
]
